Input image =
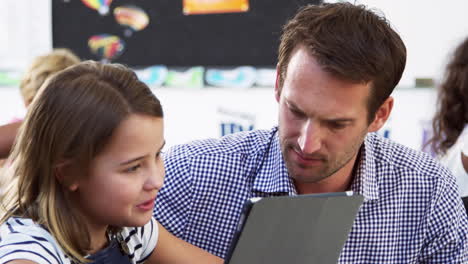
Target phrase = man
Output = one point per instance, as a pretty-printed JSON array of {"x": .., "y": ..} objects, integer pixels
[{"x": 337, "y": 66}]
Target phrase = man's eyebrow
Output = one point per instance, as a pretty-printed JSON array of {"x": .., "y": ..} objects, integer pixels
[
  {"x": 341, "y": 120},
  {"x": 294, "y": 107}
]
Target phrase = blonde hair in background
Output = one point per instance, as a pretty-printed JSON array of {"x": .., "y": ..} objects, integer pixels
[
  {"x": 43, "y": 67},
  {"x": 70, "y": 121}
]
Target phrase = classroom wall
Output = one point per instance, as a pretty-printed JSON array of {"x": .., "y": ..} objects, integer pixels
[{"x": 212, "y": 112}]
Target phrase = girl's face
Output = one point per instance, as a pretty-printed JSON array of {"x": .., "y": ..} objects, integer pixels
[{"x": 125, "y": 177}]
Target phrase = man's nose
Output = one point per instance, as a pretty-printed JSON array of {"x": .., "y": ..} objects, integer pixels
[{"x": 310, "y": 139}]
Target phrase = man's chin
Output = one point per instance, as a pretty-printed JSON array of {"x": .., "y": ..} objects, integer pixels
[{"x": 307, "y": 175}]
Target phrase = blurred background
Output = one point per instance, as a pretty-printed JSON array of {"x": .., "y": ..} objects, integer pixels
[{"x": 214, "y": 67}]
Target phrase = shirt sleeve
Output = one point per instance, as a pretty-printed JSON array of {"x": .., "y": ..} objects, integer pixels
[
  {"x": 23, "y": 242},
  {"x": 446, "y": 226},
  {"x": 174, "y": 199}
]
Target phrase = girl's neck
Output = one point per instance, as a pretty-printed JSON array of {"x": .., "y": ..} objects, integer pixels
[{"x": 98, "y": 239}]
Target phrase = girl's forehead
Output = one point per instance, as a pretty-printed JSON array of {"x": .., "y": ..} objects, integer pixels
[{"x": 137, "y": 135}]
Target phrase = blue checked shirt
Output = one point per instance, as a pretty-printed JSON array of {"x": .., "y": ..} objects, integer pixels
[{"x": 411, "y": 213}]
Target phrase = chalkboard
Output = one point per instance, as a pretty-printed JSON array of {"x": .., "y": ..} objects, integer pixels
[{"x": 175, "y": 39}]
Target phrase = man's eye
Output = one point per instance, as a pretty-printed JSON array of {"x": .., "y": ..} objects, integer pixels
[
  {"x": 297, "y": 113},
  {"x": 334, "y": 125}
]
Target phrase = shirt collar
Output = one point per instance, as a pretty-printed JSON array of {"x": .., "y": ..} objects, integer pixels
[
  {"x": 273, "y": 177},
  {"x": 365, "y": 180}
]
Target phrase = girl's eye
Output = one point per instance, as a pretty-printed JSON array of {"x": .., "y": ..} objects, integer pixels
[
  {"x": 159, "y": 154},
  {"x": 133, "y": 168}
]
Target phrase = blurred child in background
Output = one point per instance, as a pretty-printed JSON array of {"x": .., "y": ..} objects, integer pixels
[
  {"x": 450, "y": 140},
  {"x": 40, "y": 69}
]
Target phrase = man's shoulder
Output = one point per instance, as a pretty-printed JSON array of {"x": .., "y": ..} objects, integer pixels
[
  {"x": 248, "y": 142},
  {"x": 387, "y": 152}
]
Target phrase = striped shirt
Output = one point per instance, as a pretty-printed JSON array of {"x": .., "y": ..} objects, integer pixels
[
  {"x": 21, "y": 238},
  {"x": 412, "y": 212}
]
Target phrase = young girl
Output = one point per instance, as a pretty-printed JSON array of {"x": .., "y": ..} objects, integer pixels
[{"x": 87, "y": 168}]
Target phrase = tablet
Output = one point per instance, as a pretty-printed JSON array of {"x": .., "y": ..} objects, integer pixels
[{"x": 294, "y": 229}]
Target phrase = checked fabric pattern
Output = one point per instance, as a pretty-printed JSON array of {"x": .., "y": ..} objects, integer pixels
[{"x": 412, "y": 212}]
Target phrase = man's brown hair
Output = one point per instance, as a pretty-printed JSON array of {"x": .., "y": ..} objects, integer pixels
[{"x": 350, "y": 42}]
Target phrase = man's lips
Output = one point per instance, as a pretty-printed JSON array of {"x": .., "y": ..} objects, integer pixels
[{"x": 307, "y": 160}]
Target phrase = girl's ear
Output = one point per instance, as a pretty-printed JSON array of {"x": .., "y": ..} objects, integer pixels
[{"x": 67, "y": 175}]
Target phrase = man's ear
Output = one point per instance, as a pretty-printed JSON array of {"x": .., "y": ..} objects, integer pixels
[
  {"x": 67, "y": 175},
  {"x": 382, "y": 115},
  {"x": 277, "y": 88}
]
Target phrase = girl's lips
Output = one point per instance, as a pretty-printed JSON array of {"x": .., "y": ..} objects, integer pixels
[{"x": 148, "y": 205}]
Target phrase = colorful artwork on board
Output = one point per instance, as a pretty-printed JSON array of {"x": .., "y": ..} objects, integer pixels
[
  {"x": 191, "y": 78},
  {"x": 153, "y": 76},
  {"x": 107, "y": 47},
  {"x": 131, "y": 17},
  {"x": 197, "y": 7},
  {"x": 102, "y": 6},
  {"x": 265, "y": 77},
  {"x": 9, "y": 79},
  {"x": 240, "y": 77}
]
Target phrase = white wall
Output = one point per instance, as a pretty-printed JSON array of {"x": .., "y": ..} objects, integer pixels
[
  {"x": 26, "y": 32},
  {"x": 201, "y": 113},
  {"x": 430, "y": 30}
]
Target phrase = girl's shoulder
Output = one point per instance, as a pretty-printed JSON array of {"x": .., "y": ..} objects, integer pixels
[
  {"x": 18, "y": 226},
  {"x": 22, "y": 238}
]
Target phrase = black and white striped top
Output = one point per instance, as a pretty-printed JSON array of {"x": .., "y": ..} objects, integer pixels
[{"x": 21, "y": 238}]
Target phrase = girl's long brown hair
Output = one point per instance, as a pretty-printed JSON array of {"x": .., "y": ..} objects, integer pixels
[
  {"x": 452, "y": 102},
  {"x": 72, "y": 118}
]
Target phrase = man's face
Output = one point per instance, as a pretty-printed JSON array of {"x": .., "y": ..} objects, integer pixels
[{"x": 322, "y": 120}]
